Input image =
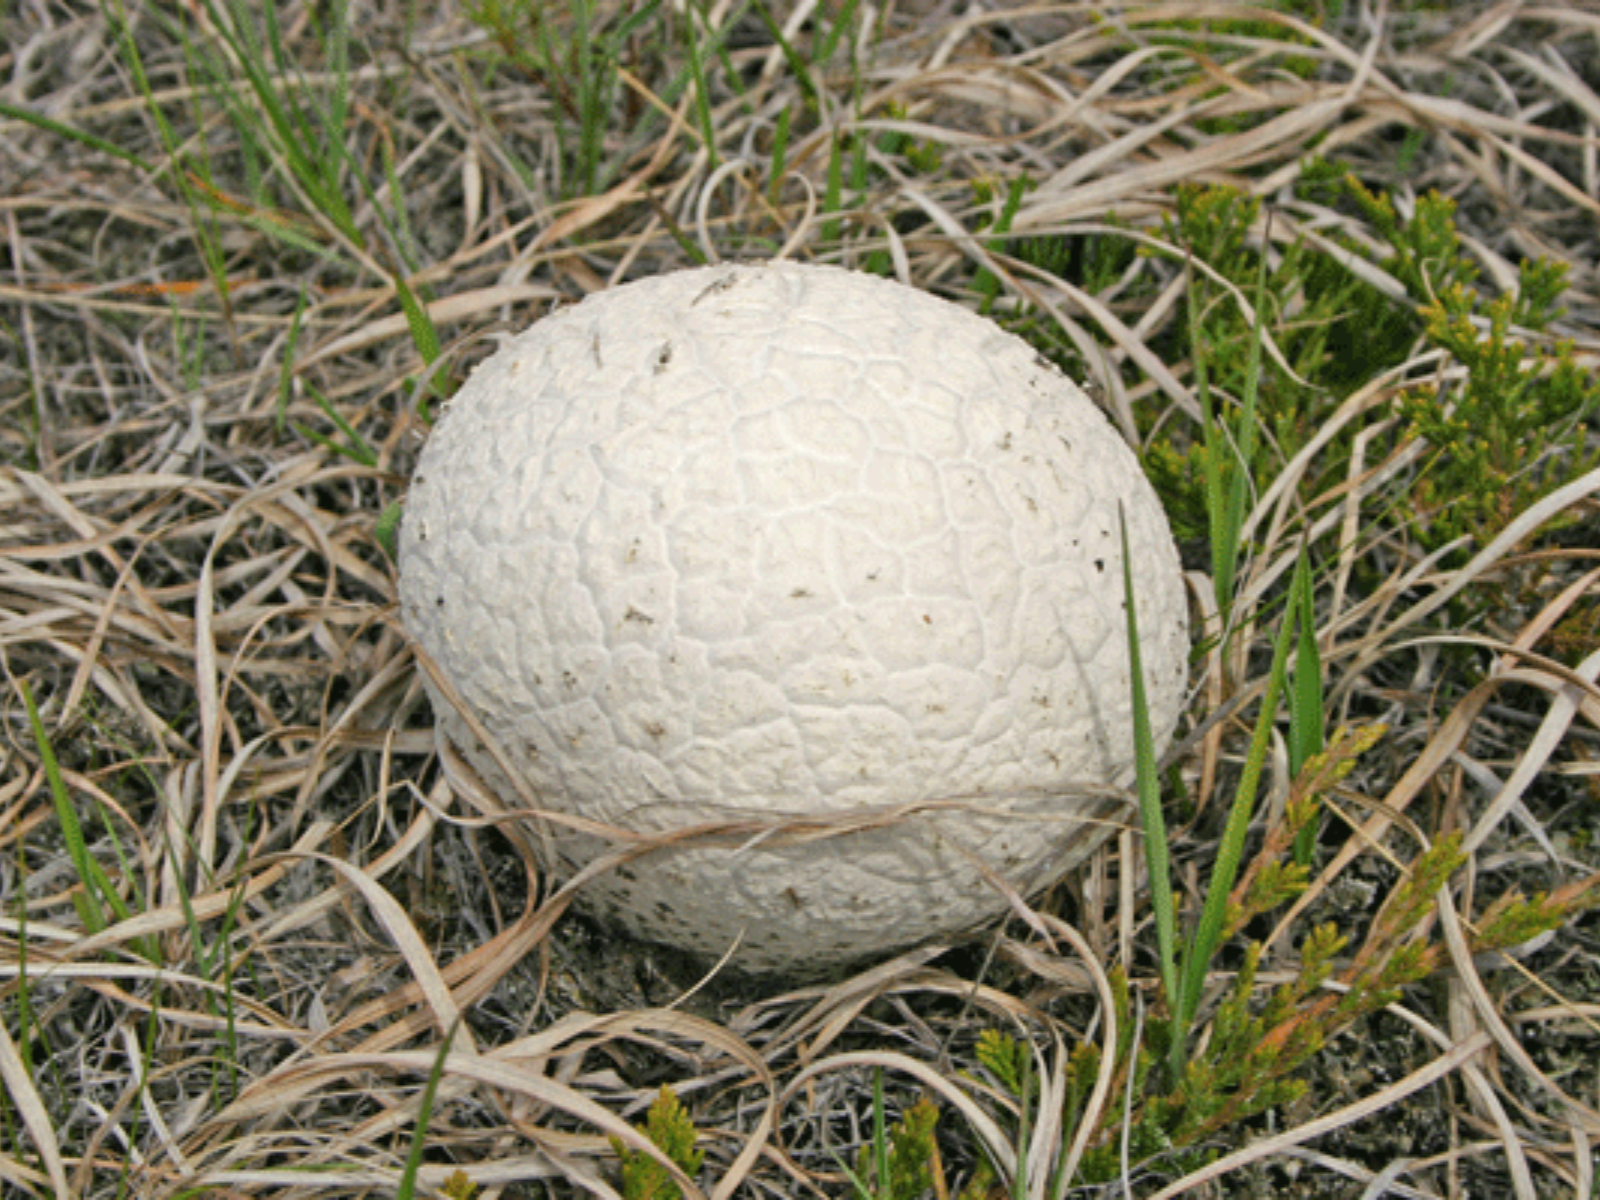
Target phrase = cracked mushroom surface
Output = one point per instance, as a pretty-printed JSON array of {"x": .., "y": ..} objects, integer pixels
[{"x": 818, "y": 566}]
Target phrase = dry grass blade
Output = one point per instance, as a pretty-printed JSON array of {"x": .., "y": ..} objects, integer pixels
[
  {"x": 1561, "y": 501},
  {"x": 1094, "y": 1109},
  {"x": 995, "y": 1141},
  {"x": 1488, "y": 1015},
  {"x": 417, "y": 954},
  {"x": 35, "y": 1115},
  {"x": 1569, "y": 699},
  {"x": 1487, "y": 1100}
]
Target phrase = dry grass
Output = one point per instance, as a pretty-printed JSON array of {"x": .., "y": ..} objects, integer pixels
[{"x": 296, "y": 905}]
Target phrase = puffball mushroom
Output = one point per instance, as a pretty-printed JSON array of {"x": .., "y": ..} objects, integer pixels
[{"x": 807, "y": 555}]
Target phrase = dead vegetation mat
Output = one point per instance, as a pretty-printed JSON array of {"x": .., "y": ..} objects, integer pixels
[{"x": 254, "y": 936}]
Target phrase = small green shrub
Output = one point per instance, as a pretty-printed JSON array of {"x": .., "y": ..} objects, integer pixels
[
  {"x": 1256, "y": 1051},
  {"x": 1333, "y": 330},
  {"x": 671, "y": 1130},
  {"x": 1514, "y": 428}
]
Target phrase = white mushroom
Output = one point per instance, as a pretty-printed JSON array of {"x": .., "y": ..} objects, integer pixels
[{"x": 785, "y": 543}]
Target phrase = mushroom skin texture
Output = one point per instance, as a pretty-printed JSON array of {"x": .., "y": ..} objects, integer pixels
[{"x": 810, "y": 556}]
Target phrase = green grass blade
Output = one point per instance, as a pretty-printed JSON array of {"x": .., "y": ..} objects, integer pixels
[
  {"x": 60, "y": 129},
  {"x": 880, "y": 1133},
  {"x": 718, "y": 49},
  {"x": 1230, "y": 447},
  {"x": 205, "y": 234},
  {"x": 780, "y": 156},
  {"x": 1224, "y": 548},
  {"x": 592, "y": 97},
  {"x": 117, "y": 15},
  {"x": 309, "y": 133},
  {"x": 387, "y": 530},
  {"x": 286, "y": 371},
  {"x": 987, "y": 283},
  {"x": 229, "y": 1007},
  {"x": 1306, "y": 731},
  {"x": 836, "y": 31},
  {"x": 833, "y": 195},
  {"x": 407, "y": 1187},
  {"x": 424, "y": 334},
  {"x": 702, "y": 98},
  {"x": 97, "y": 889},
  {"x": 337, "y": 40},
  {"x": 796, "y": 63},
  {"x": 354, "y": 447},
  {"x": 635, "y": 20},
  {"x": 1202, "y": 948},
  {"x": 860, "y": 167},
  {"x": 239, "y": 33},
  {"x": 191, "y": 922},
  {"x": 1148, "y": 782},
  {"x": 399, "y": 224},
  {"x": 1025, "y": 1097},
  {"x": 146, "y": 947},
  {"x": 860, "y": 1189},
  {"x": 1246, "y": 432},
  {"x": 311, "y": 150},
  {"x": 321, "y": 175}
]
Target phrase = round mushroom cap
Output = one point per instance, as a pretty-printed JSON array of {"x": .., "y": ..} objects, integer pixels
[{"x": 816, "y": 573}]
